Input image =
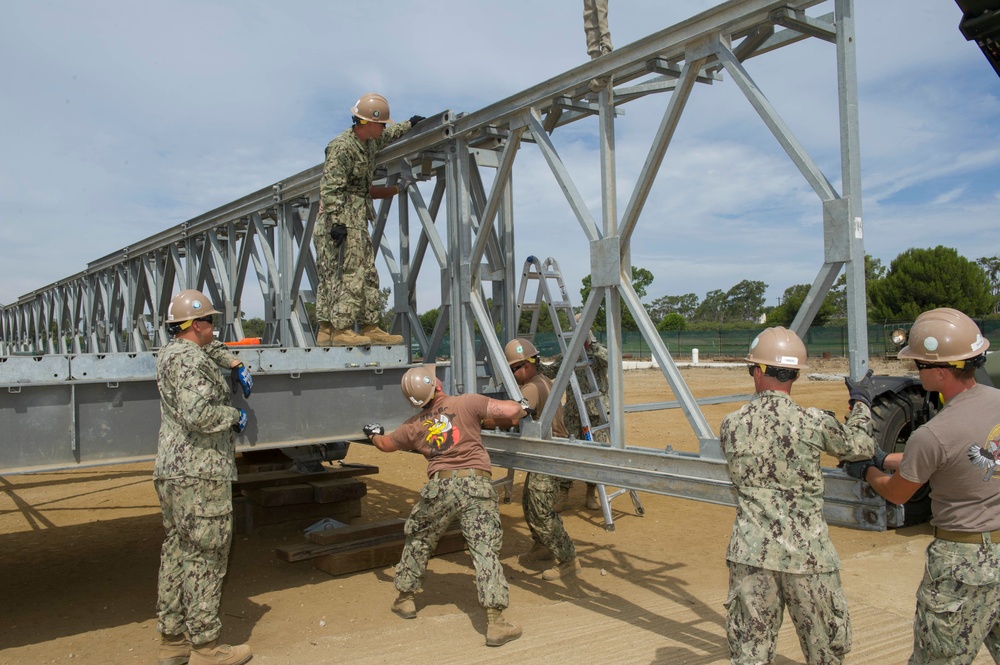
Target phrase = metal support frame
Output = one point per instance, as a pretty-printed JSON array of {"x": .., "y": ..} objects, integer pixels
[{"x": 115, "y": 305}]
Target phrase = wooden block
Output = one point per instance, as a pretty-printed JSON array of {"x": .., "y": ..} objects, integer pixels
[
  {"x": 282, "y": 495},
  {"x": 382, "y": 555},
  {"x": 337, "y": 489},
  {"x": 345, "y": 534},
  {"x": 344, "y": 511},
  {"x": 268, "y": 478}
]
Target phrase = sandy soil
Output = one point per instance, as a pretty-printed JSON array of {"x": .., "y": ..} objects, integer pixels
[{"x": 79, "y": 553}]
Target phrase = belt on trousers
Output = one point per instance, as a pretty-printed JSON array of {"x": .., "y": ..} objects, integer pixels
[
  {"x": 459, "y": 473},
  {"x": 975, "y": 537}
]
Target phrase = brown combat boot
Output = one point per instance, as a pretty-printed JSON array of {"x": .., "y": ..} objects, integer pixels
[
  {"x": 405, "y": 606},
  {"x": 324, "y": 335},
  {"x": 562, "y": 500},
  {"x": 592, "y": 502},
  {"x": 347, "y": 337},
  {"x": 538, "y": 552},
  {"x": 562, "y": 570},
  {"x": 174, "y": 650},
  {"x": 379, "y": 336},
  {"x": 213, "y": 653},
  {"x": 499, "y": 631}
]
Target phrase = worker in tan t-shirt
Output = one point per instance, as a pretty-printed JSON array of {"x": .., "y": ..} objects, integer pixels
[
  {"x": 447, "y": 431},
  {"x": 958, "y": 602},
  {"x": 540, "y": 490}
]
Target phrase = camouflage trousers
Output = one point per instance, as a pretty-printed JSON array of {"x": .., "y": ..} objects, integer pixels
[
  {"x": 198, "y": 519},
  {"x": 756, "y": 606},
  {"x": 473, "y": 501},
  {"x": 958, "y": 604},
  {"x": 348, "y": 281},
  {"x": 546, "y": 526}
]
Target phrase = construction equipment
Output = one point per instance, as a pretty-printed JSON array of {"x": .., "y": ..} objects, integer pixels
[{"x": 546, "y": 275}]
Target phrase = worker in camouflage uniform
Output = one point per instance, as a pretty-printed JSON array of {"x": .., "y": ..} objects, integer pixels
[
  {"x": 598, "y": 355},
  {"x": 549, "y": 537},
  {"x": 348, "y": 290},
  {"x": 958, "y": 602},
  {"x": 447, "y": 431},
  {"x": 195, "y": 466},
  {"x": 780, "y": 554}
]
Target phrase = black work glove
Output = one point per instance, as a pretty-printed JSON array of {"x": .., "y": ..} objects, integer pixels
[
  {"x": 527, "y": 409},
  {"x": 240, "y": 377},
  {"x": 859, "y": 469},
  {"x": 338, "y": 233},
  {"x": 240, "y": 424},
  {"x": 879, "y": 459},
  {"x": 371, "y": 429},
  {"x": 861, "y": 390},
  {"x": 415, "y": 119}
]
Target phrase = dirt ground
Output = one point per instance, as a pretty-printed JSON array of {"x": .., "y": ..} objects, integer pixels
[{"x": 79, "y": 551}]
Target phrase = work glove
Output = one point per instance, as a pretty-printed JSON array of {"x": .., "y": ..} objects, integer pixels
[
  {"x": 240, "y": 377},
  {"x": 861, "y": 390},
  {"x": 338, "y": 233},
  {"x": 241, "y": 424},
  {"x": 371, "y": 429},
  {"x": 879, "y": 459},
  {"x": 527, "y": 409},
  {"x": 415, "y": 119},
  {"x": 858, "y": 469}
]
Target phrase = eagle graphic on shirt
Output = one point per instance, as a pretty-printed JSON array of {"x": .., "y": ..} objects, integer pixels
[
  {"x": 986, "y": 457},
  {"x": 441, "y": 433}
]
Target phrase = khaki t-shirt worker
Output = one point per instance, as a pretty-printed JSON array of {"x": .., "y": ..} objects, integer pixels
[
  {"x": 448, "y": 434},
  {"x": 957, "y": 452}
]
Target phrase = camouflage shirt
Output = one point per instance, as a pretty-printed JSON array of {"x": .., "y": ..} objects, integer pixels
[
  {"x": 348, "y": 172},
  {"x": 196, "y": 439},
  {"x": 772, "y": 447}
]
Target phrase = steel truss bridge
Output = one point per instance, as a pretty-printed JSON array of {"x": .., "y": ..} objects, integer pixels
[{"x": 77, "y": 357}]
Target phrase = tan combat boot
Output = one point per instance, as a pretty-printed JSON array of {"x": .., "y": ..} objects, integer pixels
[
  {"x": 213, "y": 653},
  {"x": 405, "y": 606},
  {"x": 562, "y": 570},
  {"x": 538, "y": 552},
  {"x": 324, "y": 334},
  {"x": 379, "y": 336},
  {"x": 498, "y": 630},
  {"x": 592, "y": 502},
  {"x": 562, "y": 500},
  {"x": 174, "y": 650},
  {"x": 347, "y": 337}
]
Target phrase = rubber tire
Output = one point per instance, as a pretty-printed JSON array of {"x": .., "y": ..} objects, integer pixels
[{"x": 893, "y": 426}]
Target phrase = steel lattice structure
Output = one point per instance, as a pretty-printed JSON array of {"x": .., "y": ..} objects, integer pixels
[{"x": 465, "y": 229}]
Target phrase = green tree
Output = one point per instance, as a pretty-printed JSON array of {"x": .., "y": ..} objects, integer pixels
[
  {"x": 791, "y": 302},
  {"x": 672, "y": 322},
  {"x": 874, "y": 271},
  {"x": 684, "y": 305},
  {"x": 745, "y": 301},
  {"x": 991, "y": 264},
  {"x": 253, "y": 327},
  {"x": 429, "y": 319},
  {"x": 641, "y": 279},
  {"x": 713, "y": 308},
  {"x": 922, "y": 279}
]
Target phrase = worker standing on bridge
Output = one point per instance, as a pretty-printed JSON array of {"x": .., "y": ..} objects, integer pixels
[
  {"x": 193, "y": 474},
  {"x": 447, "y": 431},
  {"x": 958, "y": 602},
  {"x": 348, "y": 291},
  {"x": 780, "y": 553},
  {"x": 549, "y": 537},
  {"x": 595, "y": 25}
]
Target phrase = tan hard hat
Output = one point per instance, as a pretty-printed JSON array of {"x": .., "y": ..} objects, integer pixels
[
  {"x": 418, "y": 385},
  {"x": 518, "y": 350},
  {"x": 778, "y": 347},
  {"x": 944, "y": 335},
  {"x": 372, "y": 107},
  {"x": 189, "y": 305}
]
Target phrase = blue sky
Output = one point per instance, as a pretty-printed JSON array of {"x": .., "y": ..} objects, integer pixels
[{"x": 120, "y": 119}]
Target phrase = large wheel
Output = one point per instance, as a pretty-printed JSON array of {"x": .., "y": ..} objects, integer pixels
[{"x": 895, "y": 416}]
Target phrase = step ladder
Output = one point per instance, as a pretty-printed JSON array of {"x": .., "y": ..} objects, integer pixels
[{"x": 584, "y": 388}]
